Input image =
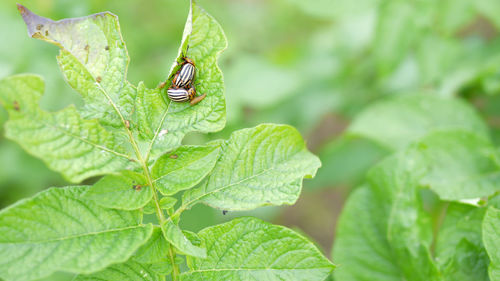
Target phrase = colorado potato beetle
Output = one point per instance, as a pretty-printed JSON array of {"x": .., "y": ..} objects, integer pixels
[
  {"x": 181, "y": 95},
  {"x": 185, "y": 76}
]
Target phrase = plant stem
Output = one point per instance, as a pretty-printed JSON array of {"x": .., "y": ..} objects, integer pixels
[
  {"x": 175, "y": 267},
  {"x": 159, "y": 213},
  {"x": 147, "y": 174}
]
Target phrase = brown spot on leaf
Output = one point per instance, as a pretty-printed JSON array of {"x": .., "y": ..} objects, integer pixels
[
  {"x": 137, "y": 187},
  {"x": 127, "y": 124},
  {"x": 39, "y": 26},
  {"x": 174, "y": 156},
  {"x": 46, "y": 33},
  {"x": 106, "y": 48},
  {"x": 15, "y": 104},
  {"x": 87, "y": 47},
  {"x": 98, "y": 79}
]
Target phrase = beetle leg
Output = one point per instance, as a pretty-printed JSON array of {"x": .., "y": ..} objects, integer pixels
[
  {"x": 162, "y": 85},
  {"x": 197, "y": 99}
]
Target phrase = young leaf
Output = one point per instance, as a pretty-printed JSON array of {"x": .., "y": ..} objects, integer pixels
[
  {"x": 361, "y": 246},
  {"x": 383, "y": 233},
  {"x": 250, "y": 249},
  {"x": 130, "y": 271},
  {"x": 93, "y": 59},
  {"x": 58, "y": 230},
  {"x": 167, "y": 203},
  {"x": 409, "y": 233},
  {"x": 174, "y": 235},
  {"x": 460, "y": 165},
  {"x": 260, "y": 166},
  {"x": 127, "y": 191},
  {"x": 459, "y": 248},
  {"x": 164, "y": 123},
  {"x": 155, "y": 250},
  {"x": 69, "y": 144},
  {"x": 397, "y": 122},
  {"x": 183, "y": 168},
  {"x": 491, "y": 240}
]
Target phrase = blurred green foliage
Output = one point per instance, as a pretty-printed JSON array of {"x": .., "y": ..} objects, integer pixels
[{"x": 312, "y": 64}]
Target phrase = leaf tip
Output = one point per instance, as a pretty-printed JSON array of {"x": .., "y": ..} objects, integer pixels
[{"x": 22, "y": 10}]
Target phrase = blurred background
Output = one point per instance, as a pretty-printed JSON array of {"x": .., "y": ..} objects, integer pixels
[{"x": 311, "y": 64}]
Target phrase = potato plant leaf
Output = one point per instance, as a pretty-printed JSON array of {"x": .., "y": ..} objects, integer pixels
[
  {"x": 69, "y": 144},
  {"x": 460, "y": 165},
  {"x": 155, "y": 250},
  {"x": 93, "y": 59},
  {"x": 183, "y": 168},
  {"x": 395, "y": 123},
  {"x": 174, "y": 235},
  {"x": 361, "y": 246},
  {"x": 130, "y": 271},
  {"x": 250, "y": 249},
  {"x": 58, "y": 230},
  {"x": 127, "y": 191},
  {"x": 259, "y": 166},
  {"x": 459, "y": 248},
  {"x": 163, "y": 123},
  {"x": 491, "y": 240}
]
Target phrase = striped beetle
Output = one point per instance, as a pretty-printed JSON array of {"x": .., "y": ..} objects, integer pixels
[
  {"x": 185, "y": 75},
  {"x": 181, "y": 95}
]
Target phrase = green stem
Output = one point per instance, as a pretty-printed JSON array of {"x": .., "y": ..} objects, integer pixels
[
  {"x": 147, "y": 174},
  {"x": 175, "y": 267},
  {"x": 159, "y": 213}
]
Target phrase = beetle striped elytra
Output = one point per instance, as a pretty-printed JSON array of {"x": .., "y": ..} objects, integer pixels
[
  {"x": 184, "y": 77},
  {"x": 180, "y": 94}
]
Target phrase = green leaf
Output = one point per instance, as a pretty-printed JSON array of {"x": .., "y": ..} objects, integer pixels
[
  {"x": 167, "y": 203},
  {"x": 129, "y": 271},
  {"x": 361, "y": 246},
  {"x": 163, "y": 123},
  {"x": 408, "y": 228},
  {"x": 395, "y": 33},
  {"x": 75, "y": 147},
  {"x": 460, "y": 165},
  {"x": 346, "y": 160},
  {"x": 155, "y": 250},
  {"x": 383, "y": 233},
  {"x": 396, "y": 122},
  {"x": 491, "y": 240},
  {"x": 459, "y": 249},
  {"x": 174, "y": 235},
  {"x": 93, "y": 59},
  {"x": 250, "y": 249},
  {"x": 183, "y": 168},
  {"x": 58, "y": 230},
  {"x": 259, "y": 166},
  {"x": 127, "y": 191}
]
